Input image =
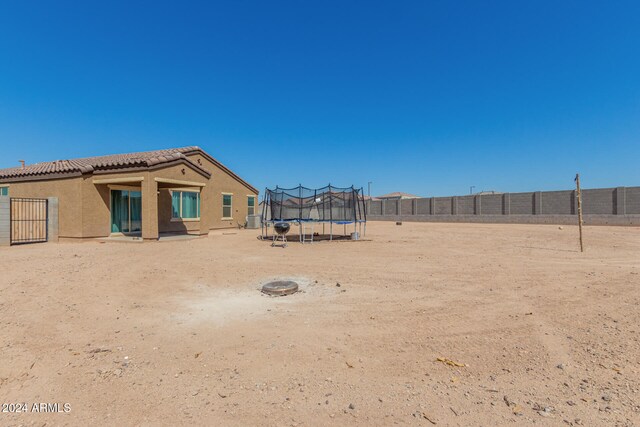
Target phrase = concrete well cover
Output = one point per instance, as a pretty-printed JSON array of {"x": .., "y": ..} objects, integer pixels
[{"x": 280, "y": 288}]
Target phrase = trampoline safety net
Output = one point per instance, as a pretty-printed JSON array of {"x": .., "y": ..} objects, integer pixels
[{"x": 326, "y": 204}]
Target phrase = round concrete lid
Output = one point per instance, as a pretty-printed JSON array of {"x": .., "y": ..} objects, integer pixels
[{"x": 280, "y": 288}]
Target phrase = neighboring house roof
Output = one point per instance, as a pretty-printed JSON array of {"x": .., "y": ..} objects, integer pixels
[
  {"x": 114, "y": 163},
  {"x": 398, "y": 195},
  {"x": 487, "y": 192}
]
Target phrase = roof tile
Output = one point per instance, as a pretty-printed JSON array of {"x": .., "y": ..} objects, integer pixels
[{"x": 91, "y": 164}]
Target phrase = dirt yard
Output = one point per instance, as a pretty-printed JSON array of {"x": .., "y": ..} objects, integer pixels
[{"x": 421, "y": 324}]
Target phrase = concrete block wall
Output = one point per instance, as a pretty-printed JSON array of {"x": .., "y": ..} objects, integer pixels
[
  {"x": 5, "y": 224},
  {"x": 406, "y": 207},
  {"x": 466, "y": 205},
  {"x": 491, "y": 204},
  {"x": 599, "y": 201},
  {"x": 611, "y": 206},
  {"x": 632, "y": 201},
  {"x": 374, "y": 208},
  {"x": 52, "y": 219},
  {"x": 558, "y": 202},
  {"x": 521, "y": 204},
  {"x": 442, "y": 206},
  {"x": 389, "y": 207},
  {"x": 423, "y": 206}
]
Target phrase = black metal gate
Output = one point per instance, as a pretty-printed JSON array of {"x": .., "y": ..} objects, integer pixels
[{"x": 29, "y": 220}]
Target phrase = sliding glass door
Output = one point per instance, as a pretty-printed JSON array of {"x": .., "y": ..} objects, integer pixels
[{"x": 126, "y": 211}]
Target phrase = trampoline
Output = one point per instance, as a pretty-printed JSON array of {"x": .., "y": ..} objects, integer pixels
[{"x": 308, "y": 206}]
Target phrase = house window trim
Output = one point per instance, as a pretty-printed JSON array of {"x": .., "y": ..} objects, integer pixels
[
  {"x": 3, "y": 187},
  {"x": 227, "y": 218},
  {"x": 185, "y": 190},
  {"x": 254, "y": 197}
]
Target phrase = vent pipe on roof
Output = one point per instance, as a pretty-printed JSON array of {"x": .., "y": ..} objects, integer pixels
[{"x": 21, "y": 163}]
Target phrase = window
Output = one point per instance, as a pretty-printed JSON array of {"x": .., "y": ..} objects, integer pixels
[
  {"x": 185, "y": 205},
  {"x": 251, "y": 203},
  {"x": 4, "y": 191},
  {"x": 226, "y": 205}
]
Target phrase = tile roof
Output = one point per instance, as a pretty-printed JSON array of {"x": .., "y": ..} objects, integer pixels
[{"x": 116, "y": 161}]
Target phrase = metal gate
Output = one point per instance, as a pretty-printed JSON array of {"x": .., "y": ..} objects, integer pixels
[{"x": 29, "y": 220}]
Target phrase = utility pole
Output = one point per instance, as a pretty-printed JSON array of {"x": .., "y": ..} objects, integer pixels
[
  {"x": 579, "y": 196},
  {"x": 471, "y": 189}
]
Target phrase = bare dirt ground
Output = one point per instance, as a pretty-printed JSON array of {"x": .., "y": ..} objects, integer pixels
[{"x": 173, "y": 333}]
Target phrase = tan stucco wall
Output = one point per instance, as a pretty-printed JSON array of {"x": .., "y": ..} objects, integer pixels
[
  {"x": 84, "y": 207},
  {"x": 164, "y": 199},
  {"x": 68, "y": 192},
  {"x": 96, "y": 200},
  {"x": 222, "y": 182},
  {"x": 96, "y": 213}
]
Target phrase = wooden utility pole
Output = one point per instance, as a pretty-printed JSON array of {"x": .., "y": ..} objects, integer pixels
[{"x": 579, "y": 196}]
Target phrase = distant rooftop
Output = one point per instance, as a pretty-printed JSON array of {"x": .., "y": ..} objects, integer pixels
[
  {"x": 398, "y": 195},
  {"x": 485, "y": 192}
]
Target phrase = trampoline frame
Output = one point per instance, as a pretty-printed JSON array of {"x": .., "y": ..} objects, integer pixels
[{"x": 358, "y": 217}]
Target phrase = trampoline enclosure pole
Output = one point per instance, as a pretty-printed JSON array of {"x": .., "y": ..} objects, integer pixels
[
  {"x": 264, "y": 205},
  {"x": 330, "y": 214},
  {"x": 354, "y": 200}
]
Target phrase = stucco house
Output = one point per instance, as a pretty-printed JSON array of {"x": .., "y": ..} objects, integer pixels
[{"x": 177, "y": 190}]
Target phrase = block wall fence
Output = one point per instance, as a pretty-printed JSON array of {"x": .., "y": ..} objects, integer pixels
[{"x": 601, "y": 206}]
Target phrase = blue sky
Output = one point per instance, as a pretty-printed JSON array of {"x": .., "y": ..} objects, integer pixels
[{"x": 424, "y": 97}]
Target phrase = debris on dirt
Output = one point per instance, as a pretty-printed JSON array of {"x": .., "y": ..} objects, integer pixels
[
  {"x": 99, "y": 350},
  {"x": 197, "y": 355},
  {"x": 338, "y": 285},
  {"x": 515, "y": 408},
  {"x": 450, "y": 362},
  {"x": 543, "y": 411},
  {"x": 352, "y": 406},
  {"x": 420, "y": 414},
  {"x": 349, "y": 364}
]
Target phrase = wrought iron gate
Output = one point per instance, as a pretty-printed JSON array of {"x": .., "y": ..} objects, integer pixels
[{"x": 29, "y": 220}]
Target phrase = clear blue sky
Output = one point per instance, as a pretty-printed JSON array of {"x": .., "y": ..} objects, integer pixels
[{"x": 425, "y": 97}]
